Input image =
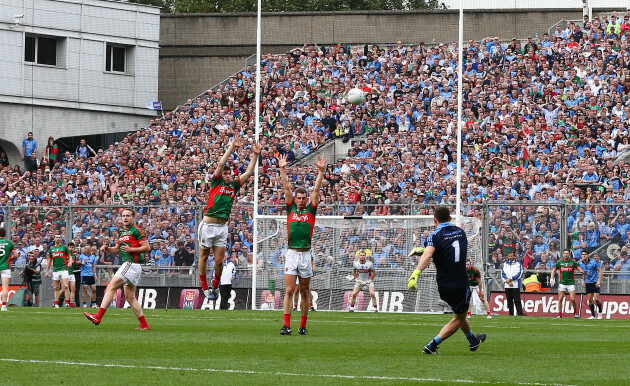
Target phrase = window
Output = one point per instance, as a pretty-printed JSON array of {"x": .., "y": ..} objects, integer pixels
[
  {"x": 115, "y": 58},
  {"x": 41, "y": 50}
]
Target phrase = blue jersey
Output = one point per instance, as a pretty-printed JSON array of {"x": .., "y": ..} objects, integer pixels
[
  {"x": 450, "y": 243},
  {"x": 591, "y": 270},
  {"x": 88, "y": 264}
]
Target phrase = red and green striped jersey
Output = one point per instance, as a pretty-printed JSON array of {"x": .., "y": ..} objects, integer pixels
[
  {"x": 567, "y": 271},
  {"x": 131, "y": 236},
  {"x": 221, "y": 197},
  {"x": 473, "y": 277},
  {"x": 6, "y": 250},
  {"x": 59, "y": 256},
  {"x": 300, "y": 224}
]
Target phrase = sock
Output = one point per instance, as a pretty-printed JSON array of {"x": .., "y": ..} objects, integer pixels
[
  {"x": 4, "y": 304},
  {"x": 215, "y": 281},
  {"x": 143, "y": 321},
  {"x": 295, "y": 305},
  {"x": 471, "y": 337},
  {"x": 592, "y": 307},
  {"x": 599, "y": 307},
  {"x": 303, "y": 321},
  {"x": 56, "y": 302},
  {"x": 67, "y": 302},
  {"x": 71, "y": 304},
  {"x": 287, "y": 320},
  {"x": 435, "y": 343},
  {"x": 204, "y": 282},
  {"x": 311, "y": 304},
  {"x": 100, "y": 313},
  {"x": 469, "y": 313},
  {"x": 488, "y": 312}
]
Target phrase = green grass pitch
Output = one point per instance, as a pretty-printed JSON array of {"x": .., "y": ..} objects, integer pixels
[{"x": 48, "y": 346}]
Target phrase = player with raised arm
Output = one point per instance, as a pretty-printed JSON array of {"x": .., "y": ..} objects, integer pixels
[
  {"x": 447, "y": 246},
  {"x": 59, "y": 258},
  {"x": 566, "y": 266},
  {"x": 592, "y": 281},
  {"x": 213, "y": 230},
  {"x": 132, "y": 246},
  {"x": 474, "y": 281},
  {"x": 363, "y": 272},
  {"x": 7, "y": 252},
  {"x": 300, "y": 224}
]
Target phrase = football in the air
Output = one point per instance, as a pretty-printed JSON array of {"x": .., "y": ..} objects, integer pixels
[{"x": 356, "y": 96}]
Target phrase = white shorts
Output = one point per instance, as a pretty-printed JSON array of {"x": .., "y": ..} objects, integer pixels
[
  {"x": 129, "y": 273},
  {"x": 212, "y": 235},
  {"x": 566, "y": 288},
  {"x": 298, "y": 263},
  {"x": 474, "y": 288},
  {"x": 5, "y": 273},
  {"x": 364, "y": 286},
  {"x": 60, "y": 275},
  {"x": 71, "y": 277}
]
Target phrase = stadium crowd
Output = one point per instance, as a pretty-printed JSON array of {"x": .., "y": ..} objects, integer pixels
[{"x": 544, "y": 120}]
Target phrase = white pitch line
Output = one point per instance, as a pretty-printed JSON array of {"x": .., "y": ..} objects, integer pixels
[{"x": 232, "y": 371}]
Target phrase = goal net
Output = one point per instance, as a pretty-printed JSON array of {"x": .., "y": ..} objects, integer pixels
[{"x": 336, "y": 243}]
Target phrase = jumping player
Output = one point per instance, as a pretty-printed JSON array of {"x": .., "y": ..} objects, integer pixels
[
  {"x": 474, "y": 281},
  {"x": 363, "y": 272},
  {"x": 447, "y": 247},
  {"x": 592, "y": 281},
  {"x": 132, "y": 245},
  {"x": 213, "y": 230},
  {"x": 7, "y": 252},
  {"x": 300, "y": 223},
  {"x": 59, "y": 258},
  {"x": 567, "y": 267}
]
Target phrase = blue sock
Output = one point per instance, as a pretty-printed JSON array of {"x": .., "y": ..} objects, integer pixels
[
  {"x": 471, "y": 337},
  {"x": 435, "y": 342}
]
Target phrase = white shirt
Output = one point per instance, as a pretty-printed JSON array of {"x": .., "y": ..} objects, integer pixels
[{"x": 228, "y": 273}]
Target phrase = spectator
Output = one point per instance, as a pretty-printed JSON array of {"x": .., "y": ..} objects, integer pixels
[
  {"x": 52, "y": 151},
  {"x": 83, "y": 150},
  {"x": 623, "y": 265},
  {"x": 29, "y": 147},
  {"x": 183, "y": 257}
]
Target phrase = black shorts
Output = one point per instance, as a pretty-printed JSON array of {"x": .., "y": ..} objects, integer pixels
[
  {"x": 591, "y": 288},
  {"x": 87, "y": 280},
  {"x": 457, "y": 298}
]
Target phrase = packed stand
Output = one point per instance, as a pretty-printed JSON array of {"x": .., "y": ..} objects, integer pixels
[{"x": 543, "y": 120}]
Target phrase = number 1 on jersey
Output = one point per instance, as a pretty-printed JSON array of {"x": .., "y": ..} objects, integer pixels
[{"x": 456, "y": 247}]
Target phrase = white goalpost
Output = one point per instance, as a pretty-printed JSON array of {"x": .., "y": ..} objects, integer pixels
[{"x": 336, "y": 240}]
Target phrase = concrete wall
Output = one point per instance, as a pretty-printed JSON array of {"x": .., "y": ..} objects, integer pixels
[
  {"x": 79, "y": 93},
  {"x": 198, "y": 51}
]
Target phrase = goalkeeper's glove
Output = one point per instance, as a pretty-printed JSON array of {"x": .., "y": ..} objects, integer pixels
[
  {"x": 417, "y": 251},
  {"x": 358, "y": 282},
  {"x": 368, "y": 283},
  {"x": 412, "y": 283}
]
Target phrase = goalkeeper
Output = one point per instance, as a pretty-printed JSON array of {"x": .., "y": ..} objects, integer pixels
[
  {"x": 363, "y": 272},
  {"x": 447, "y": 247}
]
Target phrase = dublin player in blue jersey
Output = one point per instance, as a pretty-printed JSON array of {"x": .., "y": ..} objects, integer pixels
[
  {"x": 447, "y": 247},
  {"x": 592, "y": 282}
]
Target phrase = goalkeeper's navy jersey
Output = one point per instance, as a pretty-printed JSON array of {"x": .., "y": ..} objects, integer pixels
[{"x": 450, "y": 243}]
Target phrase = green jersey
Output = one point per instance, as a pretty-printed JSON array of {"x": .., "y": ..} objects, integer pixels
[
  {"x": 131, "y": 236},
  {"x": 59, "y": 257},
  {"x": 567, "y": 271},
  {"x": 71, "y": 267},
  {"x": 221, "y": 197},
  {"x": 473, "y": 277},
  {"x": 6, "y": 250},
  {"x": 300, "y": 224}
]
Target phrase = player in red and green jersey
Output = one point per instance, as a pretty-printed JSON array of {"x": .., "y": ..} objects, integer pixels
[
  {"x": 474, "y": 281},
  {"x": 132, "y": 245},
  {"x": 7, "y": 252},
  {"x": 59, "y": 259},
  {"x": 213, "y": 230},
  {"x": 72, "y": 282},
  {"x": 566, "y": 266},
  {"x": 300, "y": 224}
]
